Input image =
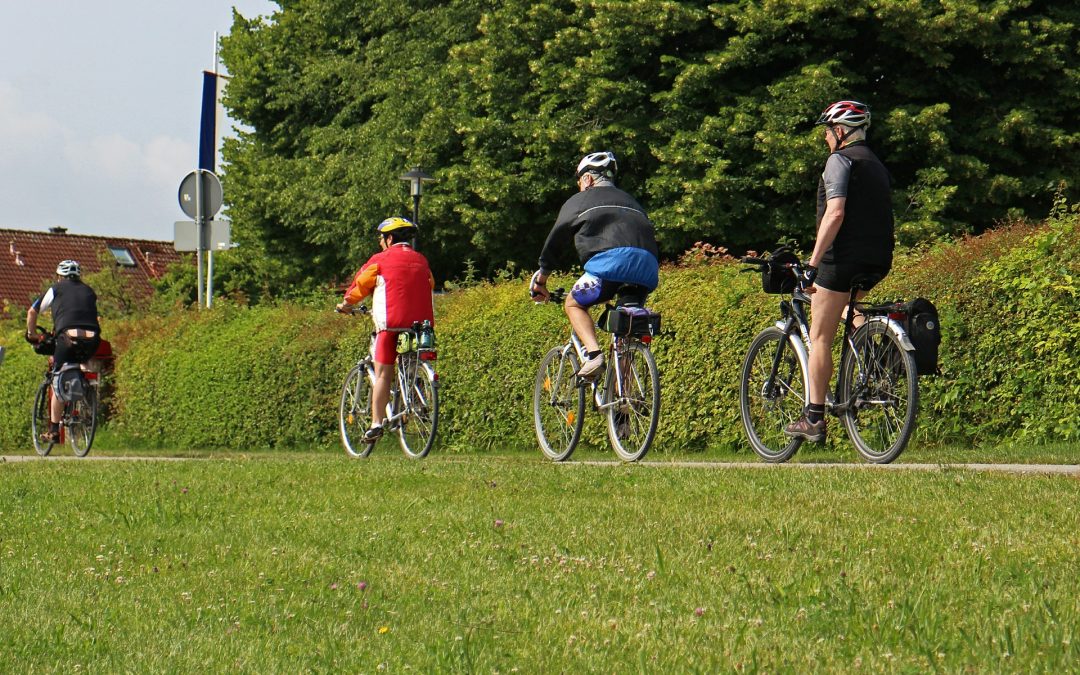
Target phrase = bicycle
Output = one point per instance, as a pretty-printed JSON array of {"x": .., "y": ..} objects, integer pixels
[
  {"x": 413, "y": 410},
  {"x": 876, "y": 395},
  {"x": 628, "y": 393},
  {"x": 78, "y": 423}
]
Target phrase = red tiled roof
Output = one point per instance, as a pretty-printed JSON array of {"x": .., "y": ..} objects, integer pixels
[{"x": 28, "y": 261}]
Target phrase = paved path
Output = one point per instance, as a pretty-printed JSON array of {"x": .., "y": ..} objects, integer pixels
[
  {"x": 1066, "y": 469},
  {"x": 1039, "y": 469}
]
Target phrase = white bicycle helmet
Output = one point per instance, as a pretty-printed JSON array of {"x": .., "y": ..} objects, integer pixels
[
  {"x": 846, "y": 113},
  {"x": 599, "y": 162},
  {"x": 68, "y": 268}
]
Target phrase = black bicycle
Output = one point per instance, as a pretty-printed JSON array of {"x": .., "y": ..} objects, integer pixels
[
  {"x": 877, "y": 390},
  {"x": 78, "y": 423}
]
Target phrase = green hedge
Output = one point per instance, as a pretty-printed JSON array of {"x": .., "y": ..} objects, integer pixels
[
  {"x": 269, "y": 376},
  {"x": 20, "y": 376}
]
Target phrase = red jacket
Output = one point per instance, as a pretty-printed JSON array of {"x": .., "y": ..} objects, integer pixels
[{"x": 400, "y": 283}]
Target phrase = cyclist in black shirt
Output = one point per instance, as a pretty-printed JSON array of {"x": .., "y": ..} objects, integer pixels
[
  {"x": 75, "y": 325},
  {"x": 854, "y": 237}
]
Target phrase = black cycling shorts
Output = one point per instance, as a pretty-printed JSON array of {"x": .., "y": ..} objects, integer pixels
[
  {"x": 74, "y": 350},
  {"x": 838, "y": 276}
]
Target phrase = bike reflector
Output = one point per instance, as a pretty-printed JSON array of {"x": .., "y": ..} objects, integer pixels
[{"x": 428, "y": 356}]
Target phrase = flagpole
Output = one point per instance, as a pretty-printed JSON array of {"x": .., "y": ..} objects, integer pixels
[{"x": 210, "y": 251}]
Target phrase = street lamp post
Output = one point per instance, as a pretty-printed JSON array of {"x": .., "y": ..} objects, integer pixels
[{"x": 416, "y": 179}]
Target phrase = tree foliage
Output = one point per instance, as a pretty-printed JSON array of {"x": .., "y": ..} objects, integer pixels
[{"x": 707, "y": 105}]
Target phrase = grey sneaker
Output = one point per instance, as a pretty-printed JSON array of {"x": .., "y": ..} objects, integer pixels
[
  {"x": 373, "y": 434},
  {"x": 805, "y": 429},
  {"x": 592, "y": 367}
]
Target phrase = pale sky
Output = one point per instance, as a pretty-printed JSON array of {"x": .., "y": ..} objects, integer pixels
[{"x": 99, "y": 109}]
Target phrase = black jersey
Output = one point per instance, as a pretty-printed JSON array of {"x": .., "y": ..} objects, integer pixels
[{"x": 866, "y": 235}]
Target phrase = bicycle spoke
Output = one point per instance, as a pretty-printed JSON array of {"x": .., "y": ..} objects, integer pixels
[
  {"x": 558, "y": 404},
  {"x": 771, "y": 397},
  {"x": 878, "y": 377}
]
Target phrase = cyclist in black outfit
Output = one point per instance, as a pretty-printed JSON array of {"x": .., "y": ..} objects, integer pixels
[
  {"x": 615, "y": 241},
  {"x": 75, "y": 325},
  {"x": 854, "y": 237}
]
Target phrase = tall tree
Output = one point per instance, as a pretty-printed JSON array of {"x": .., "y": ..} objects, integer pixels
[{"x": 708, "y": 106}]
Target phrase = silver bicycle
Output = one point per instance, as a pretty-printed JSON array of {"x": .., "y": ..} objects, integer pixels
[
  {"x": 413, "y": 410},
  {"x": 628, "y": 393}
]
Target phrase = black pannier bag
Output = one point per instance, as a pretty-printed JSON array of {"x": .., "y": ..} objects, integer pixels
[
  {"x": 625, "y": 321},
  {"x": 775, "y": 278},
  {"x": 924, "y": 329}
]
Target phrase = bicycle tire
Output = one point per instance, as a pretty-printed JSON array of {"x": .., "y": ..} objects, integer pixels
[
  {"x": 765, "y": 413},
  {"x": 880, "y": 387},
  {"x": 39, "y": 419},
  {"x": 82, "y": 422},
  {"x": 558, "y": 404},
  {"x": 417, "y": 429},
  {"x": 632, "y": 423},
  {"x": 354, "y": 411}
]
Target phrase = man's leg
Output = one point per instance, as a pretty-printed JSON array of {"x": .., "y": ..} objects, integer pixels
[
  {"x": 380, "y": 392},
  {"x": 826, "y": 310},
  {"x": 582, "y": 323}
]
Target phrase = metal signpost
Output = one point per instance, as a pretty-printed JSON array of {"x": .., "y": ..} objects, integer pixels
[{"x": 201, "y": 198}]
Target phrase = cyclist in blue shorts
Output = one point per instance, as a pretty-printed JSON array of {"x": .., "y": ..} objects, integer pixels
[{"x": 616, "y": 242}]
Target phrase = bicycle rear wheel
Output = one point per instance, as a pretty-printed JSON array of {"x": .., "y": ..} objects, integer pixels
[
  {"x": 633, "y": 417},
  {"x": 770, "y": 399},
  {"x": 39, "y": 419},
  {"x": 558, "y": 404},
  {"x": 880, "y": 387},
  {"x": 82, "y": 422},
  {"x": 420, "y": 399},
  {"x": 354, "y": 413}
]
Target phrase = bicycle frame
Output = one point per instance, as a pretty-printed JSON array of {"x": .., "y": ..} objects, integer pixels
[
  {"x": 600, "y": 384},
  {"x": 794, "y": 313}
]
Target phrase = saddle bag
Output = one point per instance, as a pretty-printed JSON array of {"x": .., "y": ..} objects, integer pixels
[{"x": 626, "y": 321}]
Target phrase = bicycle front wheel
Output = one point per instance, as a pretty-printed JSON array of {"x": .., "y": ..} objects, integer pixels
[
  {"x": 39, "y": 419},
  {"x": 420, "y": 403},
  {"x": 634, "y": 402},
  {"x": 558, "y": 404},
  {"x": 772, "y": 393},
  {"x": 880, "y": 388},
  {"x": 82, "y": 422},
  {"x": 354, "y": 413}
]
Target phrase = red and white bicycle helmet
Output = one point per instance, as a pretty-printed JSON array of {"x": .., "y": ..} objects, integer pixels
[
  {"x": 599, "y": 162},
  {"x": 847, "y": 113}
]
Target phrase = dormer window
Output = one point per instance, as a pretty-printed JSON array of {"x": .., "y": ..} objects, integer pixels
[{"x": 123, "y": 256}]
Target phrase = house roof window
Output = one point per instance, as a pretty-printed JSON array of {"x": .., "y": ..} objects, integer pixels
[{"x": 123, "y": 256}]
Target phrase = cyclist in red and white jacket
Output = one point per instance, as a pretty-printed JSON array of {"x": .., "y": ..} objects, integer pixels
[{"x": 401, "y": 284}]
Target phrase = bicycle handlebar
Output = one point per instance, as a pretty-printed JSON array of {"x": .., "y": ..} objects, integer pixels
[
  {"x": 361, "y": 309},
  {"x": 795, "y": 267}
]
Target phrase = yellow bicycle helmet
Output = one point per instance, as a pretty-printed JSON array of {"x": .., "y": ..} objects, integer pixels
[{"x": 394, "y": 223}]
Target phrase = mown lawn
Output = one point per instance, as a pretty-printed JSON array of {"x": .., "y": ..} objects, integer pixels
[{"x": 500, "y": 564}]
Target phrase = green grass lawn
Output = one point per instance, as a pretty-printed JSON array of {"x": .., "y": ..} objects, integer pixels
[{"x": 494, "y": 564}]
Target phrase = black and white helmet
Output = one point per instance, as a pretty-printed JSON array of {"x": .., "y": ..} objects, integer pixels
[
  {"x": 68, "y": 268},
  {"x": 599, "y": 162},
  {"x": 846, "y": 113}
]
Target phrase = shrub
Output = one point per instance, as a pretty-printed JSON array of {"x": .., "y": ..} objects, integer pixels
[{"x": 270, "y": 376}]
